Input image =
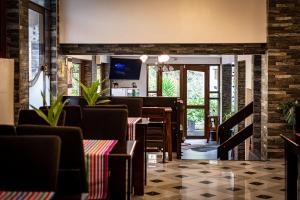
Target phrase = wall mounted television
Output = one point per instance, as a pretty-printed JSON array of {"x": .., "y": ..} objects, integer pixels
[{"x": 121, "y": 68}]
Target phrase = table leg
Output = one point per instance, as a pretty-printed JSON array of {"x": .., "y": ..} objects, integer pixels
[
  {"x": 169, "y": 135},
  {"x": 139, "y": 172},
  {"x": 117, "y": 178}
]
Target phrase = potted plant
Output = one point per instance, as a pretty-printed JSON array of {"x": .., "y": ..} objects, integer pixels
[
  {"x": 91, "y": 94},
  {"x": 287, "y": 110},
  {"x": 53, "y": 111}
]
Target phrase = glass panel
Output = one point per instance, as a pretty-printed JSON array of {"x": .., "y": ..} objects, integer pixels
[
  {"x": 213, "y": 95},
  {"x": 73, "y": 88},
  {"x": 43, "y": 3},
  {"x": 171, "y": 84},
  {"x": 195, "y": 87},
  {"x": 195, "y": 122},
  {"x": 36, "y": 41},
  {"x": 213, "y": 78},
  {"x": 214, "y": 107},
  {"x": 38, "y": 81},
  {"x": 152, "y": 78}
]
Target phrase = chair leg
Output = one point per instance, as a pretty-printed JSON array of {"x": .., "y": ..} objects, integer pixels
[{"x": 164, "y": 144}]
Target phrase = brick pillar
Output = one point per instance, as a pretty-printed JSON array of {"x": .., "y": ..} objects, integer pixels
[
  {"x": 257, "y": 97},
  {"x": 283, "y": 58},
  {"x": 17, "y": 49},
  {"x": 54, "y": 44},
  {"x": 226, "y": 88},
  {"x": 241, "y": 102}
]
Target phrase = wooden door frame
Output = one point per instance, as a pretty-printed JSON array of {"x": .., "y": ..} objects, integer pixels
[{"x": 205, "y": 69}]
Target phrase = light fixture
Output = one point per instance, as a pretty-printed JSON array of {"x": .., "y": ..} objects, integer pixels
[
  {"x": 163, "y": 58},
  {"x": 143, "y": 58}
]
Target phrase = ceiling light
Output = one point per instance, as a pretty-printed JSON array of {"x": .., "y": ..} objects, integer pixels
[
  {"x": 163, "y": 58},
  {"x": 143, "y": 58}
]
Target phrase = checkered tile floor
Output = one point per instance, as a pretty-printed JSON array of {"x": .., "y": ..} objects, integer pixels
[{"x": 220, "y": 180}]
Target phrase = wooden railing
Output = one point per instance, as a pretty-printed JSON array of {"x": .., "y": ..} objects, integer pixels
[{"x": 227, "y": 141}]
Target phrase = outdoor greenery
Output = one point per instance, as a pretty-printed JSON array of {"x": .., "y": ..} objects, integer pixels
[
  {"x": 170, "y": 84},
  {"x": 91, "y": 94},
  {"x": 152, "y": 79},
  {"x": 54, "y": 111},
  {"x": 75, "y": 76},
  {"x": 287, "y": 109}
]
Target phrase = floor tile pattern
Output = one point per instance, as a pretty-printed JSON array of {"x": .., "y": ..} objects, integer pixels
[{"x": 214, "y": 180}]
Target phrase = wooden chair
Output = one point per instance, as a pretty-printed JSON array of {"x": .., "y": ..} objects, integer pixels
[
  {"x": 29, "y": 163},
  {"x": 72, "y": 173},
  {"x": 104, "y": 124},
  {"x": 156, "y": 132},
  {"x": 134, "y": 105}
]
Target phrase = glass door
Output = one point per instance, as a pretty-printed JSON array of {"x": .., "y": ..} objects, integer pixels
[
  {"x": 197, "y": 83},
  {"x": 38, "y": 54}
]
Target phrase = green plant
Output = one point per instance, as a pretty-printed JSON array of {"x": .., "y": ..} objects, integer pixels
[
  {"x": 53, "y": 111},
  {"x": 287, "y": 109},
  {"x": 91, "y": 94},
  {"x": 227, "y": 115},
  {"x": 168, "y": 88}
]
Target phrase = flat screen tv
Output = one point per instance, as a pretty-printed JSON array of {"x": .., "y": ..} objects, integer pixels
[{"x": 121, "y": 68}]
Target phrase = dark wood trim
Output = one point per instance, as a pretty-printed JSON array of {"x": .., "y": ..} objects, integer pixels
[
  {"x": 2, "y": 29},
  {"x": 157, "y": 49}
]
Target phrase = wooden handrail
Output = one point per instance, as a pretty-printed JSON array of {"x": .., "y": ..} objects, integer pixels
[
  {"x": 237, "y": 117},
  {"x": 234, "y": 141},
  {"x": 227, "y": 142}
]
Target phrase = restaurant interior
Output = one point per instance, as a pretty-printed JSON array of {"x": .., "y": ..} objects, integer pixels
[{"x": 149, "y": 99}]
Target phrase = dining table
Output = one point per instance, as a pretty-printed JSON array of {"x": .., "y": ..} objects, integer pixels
[
  {"x": 137, "y": 129},
  {"x": 109, "y": 168}
]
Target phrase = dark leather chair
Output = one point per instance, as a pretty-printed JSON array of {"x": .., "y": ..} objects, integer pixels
[
  {"x": 72, "y": 175},
  {"x": 31, "y": 117},
  {"x": 7, "y": 129},
  {"x": 104, "y": 124},
  {"x": 110, "y": 106},
  {"x": 73, "y": 115},
  {"x": 29, "y": 163},
  {"x": 134, "y": 105}
]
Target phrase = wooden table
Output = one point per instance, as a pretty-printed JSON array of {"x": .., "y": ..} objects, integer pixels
[
  {"x": 292, "y": 166},
  {"x": 122, "y": 152},
  {"x": 139, "y": 158},
  {"x": 167, "y": 119}
]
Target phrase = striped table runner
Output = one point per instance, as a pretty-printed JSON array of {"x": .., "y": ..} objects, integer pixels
[
  {"x": 96, "y": 160},
  {"x": 11, "y": 195},
  {"x": 131, "y": 127}
]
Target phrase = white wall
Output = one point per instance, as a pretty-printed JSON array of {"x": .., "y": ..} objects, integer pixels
[
  {"x": 249, "y": 69},
  {"x": 7, "y": 91},
  {"x": 162, "y": 21}
]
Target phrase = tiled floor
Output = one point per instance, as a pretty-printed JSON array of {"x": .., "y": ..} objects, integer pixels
[
  {"x": 220, "y": 180},
  {"x": 191, "y": 150}
]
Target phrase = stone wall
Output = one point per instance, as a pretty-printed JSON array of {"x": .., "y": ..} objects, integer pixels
[
  {"x": 17, "y": 49},
  {"x": 257, "y": 98},
  {"x": 283, "y": 66},
  {"x": 226, "y": 88},
  {"x": 241, "y": 102}
]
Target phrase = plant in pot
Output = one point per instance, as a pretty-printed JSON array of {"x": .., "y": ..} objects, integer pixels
[
  {"x": 287, "y": 110},
  {"x": 91, "y": 94},
  {"x": 53, "y": 111}
]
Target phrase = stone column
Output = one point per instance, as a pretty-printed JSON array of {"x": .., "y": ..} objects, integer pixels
[
  {"x": 257, "y": 98},
  {"x": 283, "y": 59},
  {"x": 226, "y": 88},
  {"x": 241, "y": 102}
]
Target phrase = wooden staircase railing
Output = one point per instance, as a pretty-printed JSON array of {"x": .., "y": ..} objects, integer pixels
[{"x": 227, "y": 141}]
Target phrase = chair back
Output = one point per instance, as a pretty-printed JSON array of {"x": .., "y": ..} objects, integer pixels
[
  {"x": 72, "y": 175},
  {"x": 155, "y": 115},
  {"x": 7, "y": 129},
  {"x": 31, "y": 117},
  {"x": 110, "y": 106},
  {"x": 134, "y": 105},
  {"x": 104, "y": 124},
  {"x": 29, "y": 163},
  {"x": 73, "y": 115}
]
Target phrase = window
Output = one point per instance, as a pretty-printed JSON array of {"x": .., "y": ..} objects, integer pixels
[
  {"x": 152, "y": 81},
  {"x": 214, "y": 90},
  {"x": 74, "y": 88}
]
